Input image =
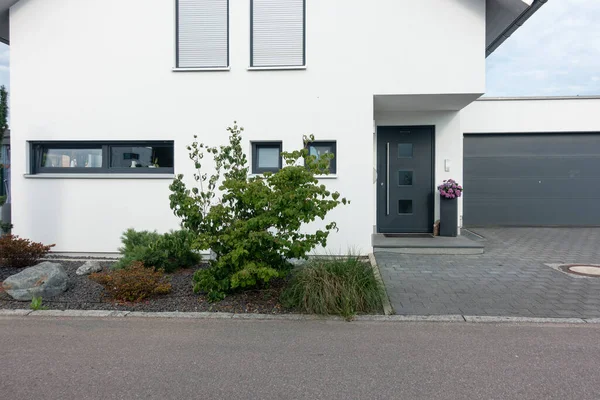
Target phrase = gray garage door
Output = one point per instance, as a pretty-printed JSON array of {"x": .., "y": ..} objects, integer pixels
[{"x": 532, "y": 180}]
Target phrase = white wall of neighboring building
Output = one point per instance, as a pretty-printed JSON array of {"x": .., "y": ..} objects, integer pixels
[
  {"x": 523, "y": 115},
  {"x": 102, "y": 70}
]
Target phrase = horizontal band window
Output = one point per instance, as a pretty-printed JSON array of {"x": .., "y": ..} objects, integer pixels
[{"x": 102, "y": 157}]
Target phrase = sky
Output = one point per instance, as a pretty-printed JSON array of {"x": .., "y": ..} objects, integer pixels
[{"x": 556, "y": 53}]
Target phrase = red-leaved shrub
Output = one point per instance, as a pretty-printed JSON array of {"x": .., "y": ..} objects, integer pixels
[
  {"x": 133, "y": 283},
  {"x": 16, "y": 252}
]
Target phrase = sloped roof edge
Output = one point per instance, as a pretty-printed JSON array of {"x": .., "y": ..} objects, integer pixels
[
  {"x": 494, "y": 44},
  {"x": 512, "y": 28}
]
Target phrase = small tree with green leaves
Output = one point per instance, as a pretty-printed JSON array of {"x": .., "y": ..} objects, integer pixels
[{"x": 252, "y": 223}]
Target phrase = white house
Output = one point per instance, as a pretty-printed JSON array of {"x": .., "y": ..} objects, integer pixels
[{"x": 107, "y": 94}]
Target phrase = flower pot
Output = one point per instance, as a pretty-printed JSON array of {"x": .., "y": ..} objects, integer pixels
[{"x": 448, "y": 217}]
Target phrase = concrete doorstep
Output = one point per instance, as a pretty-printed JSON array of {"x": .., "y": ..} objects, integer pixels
[{"x": 291, "y": 317}]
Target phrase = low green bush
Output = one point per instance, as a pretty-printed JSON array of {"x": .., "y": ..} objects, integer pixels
[
  {"x": 338, "y": 286},
  {"x": 169, "y": 251}
]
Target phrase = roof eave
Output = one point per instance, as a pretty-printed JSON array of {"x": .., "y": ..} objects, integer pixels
[{"x": 512, "y": 28}]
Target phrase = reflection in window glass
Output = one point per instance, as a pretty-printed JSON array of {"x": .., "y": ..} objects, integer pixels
[
  {"x": 141, "y": 157},
  {"x": 72, "y": 158},
  {"x": 268, "y": 157},
  {"x": 319, "y": 149},
  {"x": 405, "y": 178}
]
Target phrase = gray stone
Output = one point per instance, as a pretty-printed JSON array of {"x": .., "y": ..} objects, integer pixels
[
  {"x": 88, "y": 267},
  {"x": 46, "y": 279}
]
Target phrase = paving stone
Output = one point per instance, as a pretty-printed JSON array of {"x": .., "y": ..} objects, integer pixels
[{"x": 510, "y": 278}]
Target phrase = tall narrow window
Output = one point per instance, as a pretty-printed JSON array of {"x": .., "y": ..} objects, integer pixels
[
  {"x": 278, "y": 33},
  {"x": 202, "y": 33}
]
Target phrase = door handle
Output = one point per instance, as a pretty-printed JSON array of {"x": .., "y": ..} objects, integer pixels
[{"x": 387, "y": 205}]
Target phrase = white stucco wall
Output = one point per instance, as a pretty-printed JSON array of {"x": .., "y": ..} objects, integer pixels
[
  {"x": 524, "y": 115},
  {"x": 102, "y": 70}
]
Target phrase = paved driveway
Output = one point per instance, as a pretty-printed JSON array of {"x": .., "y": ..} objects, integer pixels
[{"x": 510, "y": 279}]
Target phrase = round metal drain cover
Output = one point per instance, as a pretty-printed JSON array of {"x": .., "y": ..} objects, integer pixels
[{"x": 583, "y": 269}]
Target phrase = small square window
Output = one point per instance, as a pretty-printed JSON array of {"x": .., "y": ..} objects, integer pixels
[
  {"x": 405, "y": 178},
  {"x": 318, "y": 149},
  {"x": 405, "y": 207},
  {"x": 266, "y": 157},
  {"x": 405, "y": 150}
]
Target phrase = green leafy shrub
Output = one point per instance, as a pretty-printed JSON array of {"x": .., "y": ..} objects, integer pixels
[
  {"x": 133, "y": 283},
  {"x": 16, "y": 252},
  {"x": 170, "y": 251},
  {"x": 254, "y": 226},
  {"x": 340, "y": 286}
]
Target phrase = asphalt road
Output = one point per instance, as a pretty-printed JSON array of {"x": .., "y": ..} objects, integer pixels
[{"x": 228, "y": 359}]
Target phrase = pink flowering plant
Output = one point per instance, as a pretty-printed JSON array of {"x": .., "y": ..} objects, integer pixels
[{"x": 450, "y": 189}]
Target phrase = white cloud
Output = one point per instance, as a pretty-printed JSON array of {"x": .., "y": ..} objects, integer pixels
[{"x": 556, "y": 52}]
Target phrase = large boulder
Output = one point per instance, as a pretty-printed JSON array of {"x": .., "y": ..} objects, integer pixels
[
  {"x": 88, "y": 267},
  {"x": 46, "y": 279}
]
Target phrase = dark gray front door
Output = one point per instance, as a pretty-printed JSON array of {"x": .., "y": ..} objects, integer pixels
[
  {"x": 544, "y": 179},
  {"x": 405, "y": 179}
]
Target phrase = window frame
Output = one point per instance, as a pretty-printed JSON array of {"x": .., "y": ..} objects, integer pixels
[
  {"x": 37, "y": 149},
  {"x": 211, "y": 68},
  {"x": 253, "y": 66},
  {"x": 333, "y": 144},
  {"x": 267, "y": 144}
]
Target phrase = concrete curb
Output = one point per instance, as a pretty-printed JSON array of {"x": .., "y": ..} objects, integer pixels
[
  {"x": 292, "y": 317},
  {"x": 469, "y": 318},
  {"x": 77, "y": 313},
  {"x": 385, "y": 301},
  {"x": 410, "y": 318}
]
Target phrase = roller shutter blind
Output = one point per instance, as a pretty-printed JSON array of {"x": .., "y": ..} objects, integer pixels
[
  {"x": 202, "y": 33},
  {"x": 278, "y": 33}
]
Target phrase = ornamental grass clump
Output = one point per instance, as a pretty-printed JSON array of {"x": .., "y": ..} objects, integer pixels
[
  {"x": 254, "y": 224},
  {"x": 133, "y": 283},
  {"x": 337, "y": 286},
  {"x": 450, "y": 189}
]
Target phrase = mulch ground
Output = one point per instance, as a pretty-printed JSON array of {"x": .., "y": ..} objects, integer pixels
[{"x": 84, "y": 294}]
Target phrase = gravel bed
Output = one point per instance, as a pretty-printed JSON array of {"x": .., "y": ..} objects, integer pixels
[{"x": 84, "y": 294}]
